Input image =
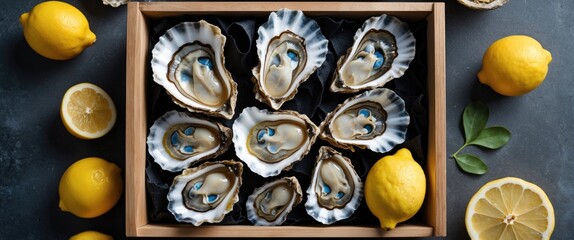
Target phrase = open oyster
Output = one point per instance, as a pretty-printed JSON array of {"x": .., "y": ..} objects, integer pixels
[
  {"x": 269, "y": 142},
  {"x": 177, "y": 140},
  {"x": 270, "y": 204},
  {"x": 376, "y": 119},
  {"x": 336, "y": 189},
  {"x": 188, "y": 62},
  {"x": 383, "y": 49},
  {"x": 290, "y": 48},
  {"x": 205, "y": 193}
]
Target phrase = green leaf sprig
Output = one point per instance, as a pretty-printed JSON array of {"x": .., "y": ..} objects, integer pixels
[{"x": 476, "y": 133}]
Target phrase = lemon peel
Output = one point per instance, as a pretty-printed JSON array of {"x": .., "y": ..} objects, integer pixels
[
  {"x": 514, "y": 65},
  {"x": 91, "y": 235},
  {"x": 395, "y": 188},
  {"x": 90, "y": 187},
  {"x": 57, "y": 30}
]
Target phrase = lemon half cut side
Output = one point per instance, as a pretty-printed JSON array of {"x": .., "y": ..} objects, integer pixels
[
  {"x": 510, "y": 208},
  {"x": 87, "y": 111}
]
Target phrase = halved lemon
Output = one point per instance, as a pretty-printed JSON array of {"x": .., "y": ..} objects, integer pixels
[
  {"x": 510, "y": 208},
  {"x": 87, "y": 111}
]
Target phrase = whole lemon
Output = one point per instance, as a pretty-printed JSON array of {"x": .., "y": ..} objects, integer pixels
[
  {"x": 395, "y": 188},
  {"x": 514, "y": 65},
  {"x": 91, "y": 235},
  {"x": 90, "y": 187},
  {"x": 57, "y": 30}
]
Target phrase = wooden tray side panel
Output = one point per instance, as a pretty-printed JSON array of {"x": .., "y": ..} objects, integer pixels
[
  {"x": 410, "y": 11},
  {"x": 436, "y": 164},
  {"x": 136, "y": 50},
  {"x": 157, "y": 230}
]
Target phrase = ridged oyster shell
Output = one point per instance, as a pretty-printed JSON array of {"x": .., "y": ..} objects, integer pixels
[
  {"x": 336, "y": 189},
  {"x": 383, "y": 49},
  {"x": 188, "y": 62},
  {"x": 270, "y": 142},
  {"x": 114, "y": 3},
  {"x": 290, "y": 48},
  {"x": 375, "y": 119},
  {"x": 205, "y": 193},
  {"x": 483, "y": 4},
  {"x": 176, "y": 140},
  {"x": 270, "y": 204}
]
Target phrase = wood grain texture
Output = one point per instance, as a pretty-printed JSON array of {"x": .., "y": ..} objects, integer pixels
[
  {"x": 283, "y": 231},
  {"x": 410, "y": 11},
  {"x": 136, "y": 50},
  {"x": 137, "y": 55},
  {"x": 436, "y": 162}
]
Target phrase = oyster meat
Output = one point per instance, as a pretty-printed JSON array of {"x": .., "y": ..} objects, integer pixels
[
  {"x": 383, "y": 49},
  {"x": 177, "y": 140},
  {"x": 270, "y": 204},
  {"x": 290, "y": 48},
  {"x": 205, "y": 193},
  {"x": 336, "y": 189},
  {"x": 188, "y": 62},
  {"x": 269, "y": 142},
  {"x": 375, "y": 119}
]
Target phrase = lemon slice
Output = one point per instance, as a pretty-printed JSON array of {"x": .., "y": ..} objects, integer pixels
[
  {"x": 510, "y": 208},
  {"x": 87, "y": 111}
]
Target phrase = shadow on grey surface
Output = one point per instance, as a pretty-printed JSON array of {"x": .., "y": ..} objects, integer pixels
[
  {"x": 30, "y": 65},
  {"x": 99, "y": 10},
  {"x": 113, "y": 221}
]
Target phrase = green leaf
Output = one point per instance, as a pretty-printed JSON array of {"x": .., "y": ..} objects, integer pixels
[
  {"x": 492, "y": 137},
  {"x": 474, "y": 119},
  {"x": 471, "y": 164}
]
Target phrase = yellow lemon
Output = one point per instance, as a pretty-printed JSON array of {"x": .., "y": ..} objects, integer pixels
[
  {"x": 87, "y": 111},
  {"x": 91, "y": 235},
  {"x": 395, "y": 188},
  {"x": 90, "y": 187},
  {"x": 509, "y": 208},
  {"x": 514, "y": 65},
  {"x": 57, "y": 30}
]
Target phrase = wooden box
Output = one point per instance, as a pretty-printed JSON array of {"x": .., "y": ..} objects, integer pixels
[{"x": 138, "y": 55}]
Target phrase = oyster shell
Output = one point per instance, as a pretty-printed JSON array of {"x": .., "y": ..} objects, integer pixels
[
  {"x": 205, "y": 193},
  {"x": 290, "y": 48},
  {"x": 383, "y": 49},
  {"x": 483, "y": 4},
  {"x": 270, "y": 204},
  {"x": 336, "y": 189},
  {"x": 114, "y": 3},
  {"x": 375, "y": 119},
  {"x": 176, "y": 140},
  {"x": 188, "y": 62},
  {"x": 269, "y": 142}
]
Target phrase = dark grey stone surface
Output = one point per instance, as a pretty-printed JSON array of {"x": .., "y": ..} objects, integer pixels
[{"x": 35, "y": 148}]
